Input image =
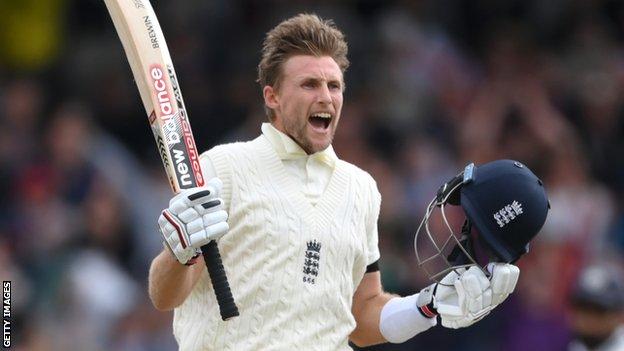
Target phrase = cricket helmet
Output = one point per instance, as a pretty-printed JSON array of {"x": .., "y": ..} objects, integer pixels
[{"x": 504, "y": 205}]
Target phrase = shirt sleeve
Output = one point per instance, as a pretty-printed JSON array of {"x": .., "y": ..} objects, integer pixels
[{"x": 372, "y": 234}]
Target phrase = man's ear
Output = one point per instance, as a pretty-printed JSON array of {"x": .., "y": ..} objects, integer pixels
[{"x": 271, "y": 99}]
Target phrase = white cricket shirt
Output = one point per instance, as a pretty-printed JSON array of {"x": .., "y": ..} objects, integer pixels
[
  {"x": 312, "y": 172},
  {"x": 302, "y": 231}
]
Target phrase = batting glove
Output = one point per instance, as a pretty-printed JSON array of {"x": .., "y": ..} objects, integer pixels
[
  {"x": 464, "y": 297},
  {"x": 194, "y": 217},
  {"x": 503, "y": 279},
  {"x": 466, "y": 301}
]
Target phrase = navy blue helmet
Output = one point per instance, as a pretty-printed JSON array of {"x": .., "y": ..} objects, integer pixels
[{"x": 505, "y": 206}]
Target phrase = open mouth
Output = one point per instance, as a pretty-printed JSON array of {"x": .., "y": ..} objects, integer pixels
[{"x": 320, "y": 120}]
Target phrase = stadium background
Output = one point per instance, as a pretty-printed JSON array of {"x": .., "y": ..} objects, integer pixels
[{"x": 433, "y": 85}]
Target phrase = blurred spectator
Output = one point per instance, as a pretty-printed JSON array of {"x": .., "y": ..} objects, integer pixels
[{"x": 596, "y": 315}]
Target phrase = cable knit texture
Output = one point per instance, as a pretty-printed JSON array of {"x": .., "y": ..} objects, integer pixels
[{"x": 292, "y": 295}]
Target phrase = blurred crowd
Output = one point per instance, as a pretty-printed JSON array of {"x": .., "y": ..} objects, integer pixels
[{"x": 433, "y": 85}]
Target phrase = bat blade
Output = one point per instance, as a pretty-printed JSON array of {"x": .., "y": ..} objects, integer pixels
[
  {"x": 148, "y": 55},
  {"x": 152, "y": 68}
]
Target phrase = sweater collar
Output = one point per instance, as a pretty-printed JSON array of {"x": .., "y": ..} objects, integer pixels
[{"x": 288, "y": 149}]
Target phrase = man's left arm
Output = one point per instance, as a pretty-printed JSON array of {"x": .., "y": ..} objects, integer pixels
[
  {"x": 381, "y": 317},
  {"x": 465, "y": 299},
  {"x": 368, "y": 301}
]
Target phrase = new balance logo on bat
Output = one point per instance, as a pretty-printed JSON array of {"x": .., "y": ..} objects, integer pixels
[
  {"x": 176, "y": 130},
  {"x": 311, "y": 262}
]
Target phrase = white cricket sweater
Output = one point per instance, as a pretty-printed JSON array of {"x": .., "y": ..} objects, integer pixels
[{"x": 293, "y": 267}]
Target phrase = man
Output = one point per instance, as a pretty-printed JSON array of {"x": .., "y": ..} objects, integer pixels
[
  {"x": 596, "y": 317},
  {"x": 301, "y": 245}
]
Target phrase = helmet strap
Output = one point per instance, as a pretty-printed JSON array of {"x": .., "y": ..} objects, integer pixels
[
  {"x": 457, "y": 256},
  {"x": 449, "y": 191}
]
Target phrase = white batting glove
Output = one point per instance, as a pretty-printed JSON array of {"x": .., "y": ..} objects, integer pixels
[
  {"x": 466, "y": 301},
  {"x": 503, "y": 279},
  {"x": 194, "y": 218},
  {"x": 464, "y": 297}
]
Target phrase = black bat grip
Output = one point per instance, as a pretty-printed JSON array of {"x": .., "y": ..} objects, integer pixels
[{"x": 212, "y": 257}]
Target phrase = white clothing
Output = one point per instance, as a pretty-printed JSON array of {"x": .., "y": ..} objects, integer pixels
[{"x": 297, "y": 249}]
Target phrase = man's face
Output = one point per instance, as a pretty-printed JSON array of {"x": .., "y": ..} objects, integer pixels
[{"x": 308, "y": 101}]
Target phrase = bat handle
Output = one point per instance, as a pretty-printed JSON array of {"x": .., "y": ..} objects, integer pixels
[{"x": 212, "y": 257}]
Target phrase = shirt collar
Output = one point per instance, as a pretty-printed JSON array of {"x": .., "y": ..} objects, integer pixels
[{"x": 288, "y": 149}]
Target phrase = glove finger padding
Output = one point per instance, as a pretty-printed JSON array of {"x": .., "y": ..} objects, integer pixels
[
  {"x": 211, "y": 206},
  {"x": 172, "y": 229},
  {"x": 213, "y": 202},
  {"x": 194, "y": 218},
  {"x": 455, "y": 322},
  {"x": 195, "y": 226},
  {"x": 503, "y": 280},
  {"x": 446, "y": 299},
  {"x": 467, "y": 301},
  {"x": 196, "y": 197},
  {"x": 215, "y": 217},
  {"x": 210, "y": 233},
  {"x": 473, "y": 290},
  {"x": 176, "y": 238}
]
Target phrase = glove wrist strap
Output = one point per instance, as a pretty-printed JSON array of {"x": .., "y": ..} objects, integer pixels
[
  {"x": 190, "y": 262},
  {"x": 193, "y": 259},
  {"x": 428, "y": 310},
  {"x": 425, "y": 302}
]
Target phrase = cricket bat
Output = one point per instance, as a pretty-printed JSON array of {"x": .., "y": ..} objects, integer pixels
[{"x": 148, "y": 55}]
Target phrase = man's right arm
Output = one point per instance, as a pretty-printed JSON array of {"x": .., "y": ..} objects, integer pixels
[
  {"x": 194, "y": 217},
  {"x": 170, "y": 282}
]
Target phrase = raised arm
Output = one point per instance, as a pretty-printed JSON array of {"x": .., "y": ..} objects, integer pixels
[
  {"x": 170, "y": 282},
  {"x": 194, "y": 218}
]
